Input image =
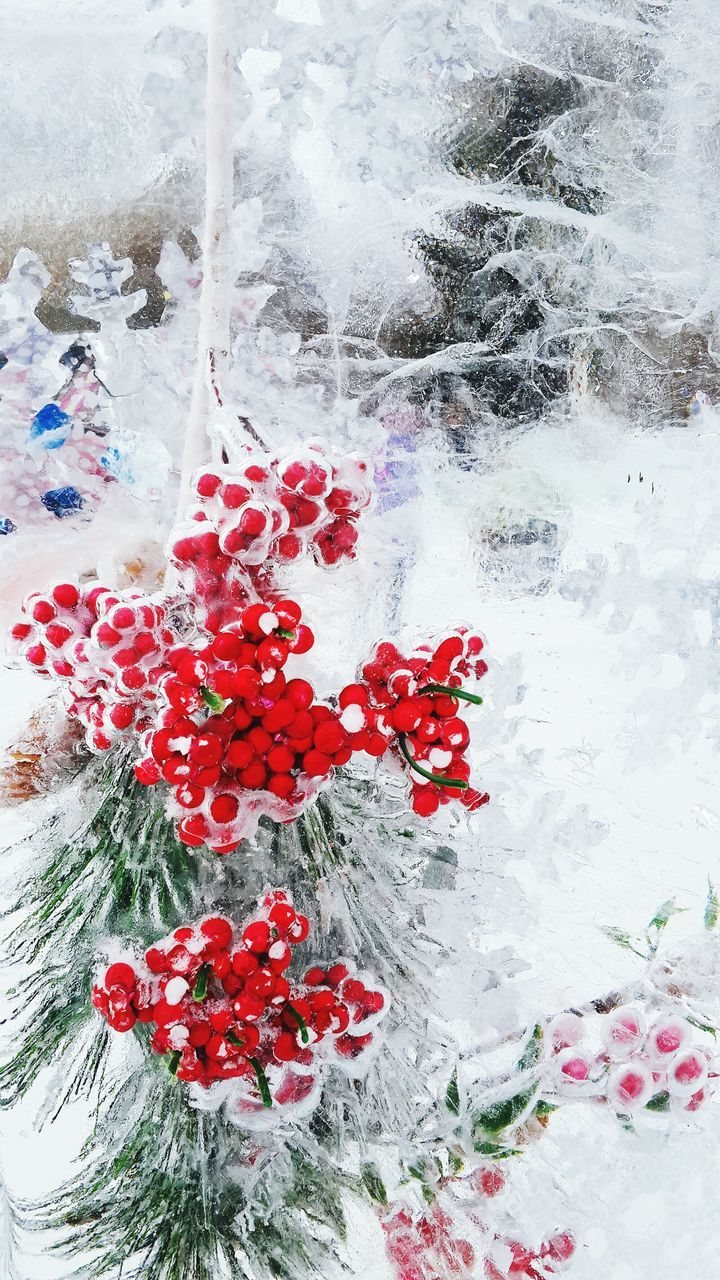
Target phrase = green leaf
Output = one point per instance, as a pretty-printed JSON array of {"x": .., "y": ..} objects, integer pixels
[
  {"x": 543, "y": 1108},
  {"x": 532, "y": 1053},
  {"x": 664, "y": 913},
  {"x": 712, "y": 907},
  {"x": 495, "y": 1150},
  {"x": 374, "y": 1184},
  {"x": 200, "y": 989},
  {"x": 660, "y": 1102},
  {"x": 702, "y": 1026},
  {"x": 294, "y": 1013},
  {"x": 622, "y": 939},
  {"x": 452, "y": 1095},
  {"x": 262, "y": 1082},
  {"x": 212, "y": 700},
  {"x": 501, "y": 1115},
  {"x": 457, "y": 1164}
]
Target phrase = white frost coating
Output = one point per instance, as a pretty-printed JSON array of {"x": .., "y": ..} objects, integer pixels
[
  {"x": 214, "y": 327},
  {"x": 353, "y": 718},
  {"x": 600, "y": 742},
  {"x": 175, "y": 990},
  {"x": 268, "y": 622}
]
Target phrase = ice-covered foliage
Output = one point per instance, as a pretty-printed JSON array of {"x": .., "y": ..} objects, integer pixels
[{"x": 474, "y": 242}]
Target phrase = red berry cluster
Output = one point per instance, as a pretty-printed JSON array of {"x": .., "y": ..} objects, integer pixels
[
  {"x": 429, "y": 1247},
  {"x": 426, "y": 1247},
  {"x": 218, "y": 719},
  {"x": 410, "y": 705},
  {"x": 222, "y": 1006},
  {"x": 267, "y": 508},
  {"x": 234, "y": 737},
  {"x": 107, "y": 648},
  {"x": 512, "y": 1260}
]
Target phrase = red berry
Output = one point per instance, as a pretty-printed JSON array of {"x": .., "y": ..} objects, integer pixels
[
  {"x": 239, "y": 754},
  {"x": 335, "y": 975},
  {"x": 106, "y": 635},
  {"x": 246, "y": 682},
  {"x": 193, "y": 831},
  {"x": 302, "y": 641},
  {"x": 260, "y": 740},
  {"x": 56, "y": 633},
  {"x": 351, "y": 694},
  {"x": 66, "y": 595},
  {"x": 285, "y": 1048},
  {"x": 124, "y": 617},
  {"x": 189, "y": 795},
  {"x": 316, "y": 764},
  {"x": 283, "y": 915},
  {"x": 122, "y": 715},
  {"x": 192, "y": 670},
  {"x": 289, "y": 547},
  {"x": 234, "y": 496},
  {"x": 315, "y": 976},
  {"x": 207, "y": 484},
  {"x": 352, "y": 1046},
  {"x": 147, "y": 772},
  {"x": 43, "y": 611},
  {"x": 218, "y": 931},
  {"x": 279, "y": 717},
  {"x": 330, "y": 737},
  {"x": 280, "y": 759},
  {"x": 271, "y": 654},
  {"x": 425, "y": 801},
  {"x": 123, "y": 1020},
  {"x": 281, "y": 785},
  {"x": 120, "y": 975},
  {"x": 227, "y": 646},
  {"x": 257, "y": 936},
  {"x": 224, "y": 808},
  {"x": 156, "y": 960},
  {"x": 288, "y": 613},
  {"x": 244, "y": 963},
  {"x": 299, "y": 931},
  {"x": 248, "y": 1008},
  {"x": 206, "y": 749},
  {"x": 407, "y": 714},
  {"x": 36, "y": 655}
]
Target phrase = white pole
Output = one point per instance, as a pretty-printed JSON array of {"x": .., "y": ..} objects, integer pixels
[{"x": 214, "y": 324}]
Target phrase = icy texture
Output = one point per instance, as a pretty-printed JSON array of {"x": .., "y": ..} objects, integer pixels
[{"x": 478, "y": 240}]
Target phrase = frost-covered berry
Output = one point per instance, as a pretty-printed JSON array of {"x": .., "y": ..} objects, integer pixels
[
  {"x": 623, "y": 1031},
  {"x": 630, "y": 1086}
]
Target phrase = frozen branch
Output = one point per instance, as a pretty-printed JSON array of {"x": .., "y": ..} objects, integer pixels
[{"x": 214, "y": 324}]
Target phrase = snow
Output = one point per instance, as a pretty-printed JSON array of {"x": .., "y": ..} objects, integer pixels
[{"x": 581, "y": 538}]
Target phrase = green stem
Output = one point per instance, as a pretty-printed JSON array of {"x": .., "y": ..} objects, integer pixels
[
  {"x": 262, "y": 1082},
  {"x": 283, "y": 631},
  {"x": 174, "y": 1062},
  {"x": 452, "y": 693},
  {"x": 304, "y": 1035},
  {"x": 234, "y": 1039},
  {"x": 437, "y": 778},
  {"x": 200, "y": 989}
]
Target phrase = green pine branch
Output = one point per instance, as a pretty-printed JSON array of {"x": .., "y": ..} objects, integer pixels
[
  {"x": 120, "y": 871},
  {"x": 166, "y": 1192},
  {"x": 9, "y": 1248}
]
